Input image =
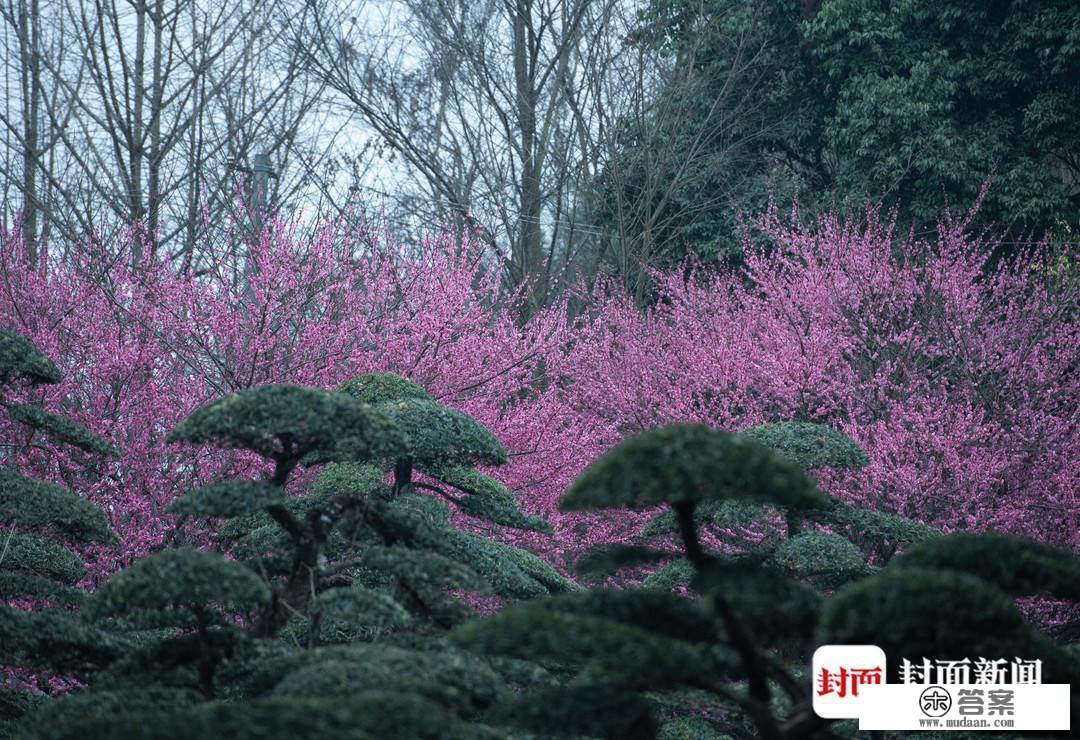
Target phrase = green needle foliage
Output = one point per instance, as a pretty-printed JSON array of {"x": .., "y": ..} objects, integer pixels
[
  {"x": 844, "y": 540},
  {"x": 686, "y": 464},
  {"x": 716, "y": 643},
  {"x": 345, "y": 604},
  {"x": 60, "y": 429},
  {"x": 810, "y": 445},
  {"x": 340, "y": 587},
  {"x": 43, "y": 528},
  {"x": 285, "y": 422},
  {"x": 174, "y": 579},
  {"x": 21, "y": 361},
  {"x": 228, "y": 499}
]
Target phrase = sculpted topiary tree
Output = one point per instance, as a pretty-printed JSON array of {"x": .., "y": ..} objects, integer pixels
[
  {"x": 649, "y": 663},
  {"x": 410, "y": 537},
  {"x": 827, "y": 545},
  {"x": 284, "y": 424},
  {"x": 183, "y": 588},
  {"x": 443, "y": 444},
  {"x": 328, "y": 620},
  {"x": 626, "y": 642},
  {"x": 40, "y": 524},
  {"x": 354, "y": 556}
]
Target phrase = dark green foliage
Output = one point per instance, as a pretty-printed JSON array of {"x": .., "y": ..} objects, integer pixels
[
  {"x": 880, "y": 525},
  {"x": 180, "y": 579},
  {"x": 349, "y": 610},
  {"x": 437, "y": 435},
  {"x": 266, "y": 548},
  {"x": 356, "y": 606},
  {"x": 21, "y": 360},
  {"x": 487, "y": 498},
  {"x": 491, "y": 562},
  {"x": 423, "y": 569},
  {"x": 60, "y": 429},
  {"x": 40, "y": 520},
  {"x": 722, "y": 514},
  {"x": 382, "y": 387},
  {"x": 13, "y": 585},
  {"x": 661, "y": 613},
  {"x": 228, "y": 498},
  {"x": 689, "y": 464},
  {"x": 14, "y": 704},
  {"x": 579, "y": 711},
  {"x": 369, "y": 715},
  {"x": 55, "y": 640},
  {"x": 914, "y": 613},
  {"x": 631, "y": 656},
  {"x": 809, "y": 445},
  {"x": 775, "y": 607},
  {"x": 837, "y": 103},
  {"x": 333, "y": 596},
  {"x": 716, "y": 660},
  {"x": 1016, "y": 565},
  {"x": 453, "y": 678},
  {"x": 689, "y": 728},
  {"x": 672, "y": 576},
  {"x": 608, "y": 559},
  {"x": 535, "y": 568},
  {"x": 750, "y": 526},
  {"x": 287, "y": 422},
  {"x": 821, "y": 556},
  {"x": 498, "y": 512},
  {"x": 26, "y": 554},
  {"x": 347, "y": 479},
  {"x": 471, "y": 481},
  {"x": 30, "y": 503},
  {"x": 368, "y": 425},
  {"x": 50, "y": 719}
]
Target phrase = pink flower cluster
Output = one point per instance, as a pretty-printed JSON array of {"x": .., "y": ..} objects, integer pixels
[
  {"x": 958, "y": 376},
  {"x": 142, "y": 345}
]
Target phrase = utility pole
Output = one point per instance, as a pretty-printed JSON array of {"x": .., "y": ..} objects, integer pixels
[
  {"x": 258, "y": 197},
  {"x": 258, "y": 186},
  {"x": 257, "y": 190}
]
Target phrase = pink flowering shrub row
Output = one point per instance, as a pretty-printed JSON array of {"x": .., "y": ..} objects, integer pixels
[
  {"x": 958, "y": 378},
  {"x": 143, "y": 345}
]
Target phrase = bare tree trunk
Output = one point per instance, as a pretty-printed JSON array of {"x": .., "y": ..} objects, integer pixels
[
  {"x": 128, "y": 110},
  {"x": 528, "y": 255},
  {"x": 29, "y": 50}
]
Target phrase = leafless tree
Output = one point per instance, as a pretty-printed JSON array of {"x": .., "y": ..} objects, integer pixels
[
  {"x": 677, "y": 124},
  {"x": 481, "y": 106},
  {"x": 514, "y": 115},
  {"x": 135, "y": 111}
]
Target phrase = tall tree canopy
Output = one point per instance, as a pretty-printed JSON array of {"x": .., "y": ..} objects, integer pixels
[{"x": 913, "y": 103}]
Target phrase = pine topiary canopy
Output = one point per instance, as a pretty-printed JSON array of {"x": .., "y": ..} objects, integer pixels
[{"x": 690, "y": 463}]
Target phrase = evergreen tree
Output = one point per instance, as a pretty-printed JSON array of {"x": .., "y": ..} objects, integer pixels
[
  {"x": 826, "y": 545},
  {"x": 912, "y": 103},
  {"x": 40, "y": 628},
  {"x": 327, "y": 620},
  {"x": 648, "y": 663},
  {"x": 330, "y": 618}
]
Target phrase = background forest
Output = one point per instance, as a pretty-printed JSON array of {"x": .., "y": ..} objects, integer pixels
[{"x": 529, "y": 368}]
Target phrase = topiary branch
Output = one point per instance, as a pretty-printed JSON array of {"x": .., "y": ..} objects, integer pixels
[
  {"x": 207, "y": 662},
  {"x": 442, "y": 492},
  {"x": 738, "y": 634},
  {"x": 288, "y": 522},
  {"x": 402, "y": 475}
]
